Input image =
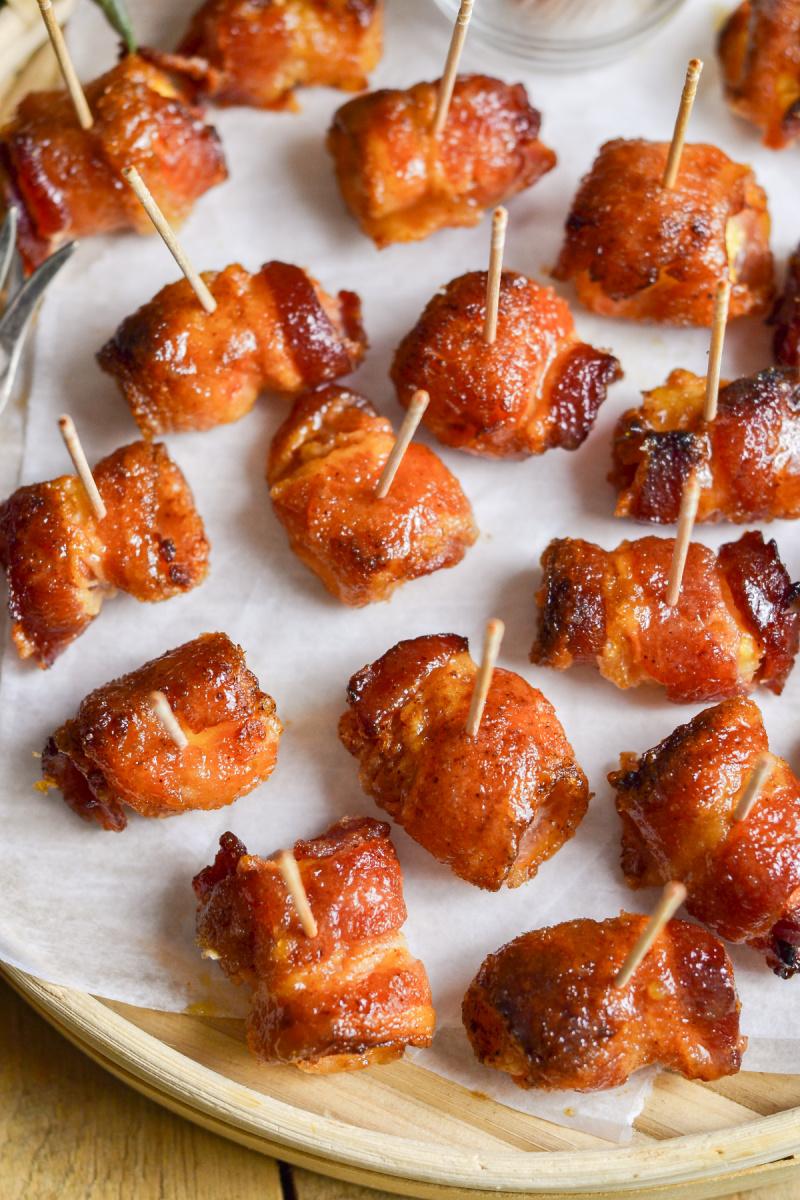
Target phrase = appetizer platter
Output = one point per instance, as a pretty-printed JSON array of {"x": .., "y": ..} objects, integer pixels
[{"x": 412, "y": 838}]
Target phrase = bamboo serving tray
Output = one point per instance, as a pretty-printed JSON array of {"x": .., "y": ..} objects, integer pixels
[{"x": 403, "y": 1129}]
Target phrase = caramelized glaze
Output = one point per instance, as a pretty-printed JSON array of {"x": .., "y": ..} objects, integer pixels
[{"x": 758, "y": 54}]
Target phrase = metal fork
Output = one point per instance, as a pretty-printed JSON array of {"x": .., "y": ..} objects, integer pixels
[{"x": 20, "y": 309}]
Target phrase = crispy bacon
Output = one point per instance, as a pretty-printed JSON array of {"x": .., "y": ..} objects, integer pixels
[
  {"x": 544, "y": 1008},
  {"x": 758, "y": 54},
  {"x": 323, "y": 468},
  {"x": 785, "y": 316},
  {"x": 734, "y": 625},
  {"x": 747, "y": 459},
  {"x": 182, "y": 368},
  {"x": 258, "y": 53},
  {"x": 401, "y": 183},
  {"x": 350, "y": 997},
  {"x": 491, "y": 807},
  {"x": 66, "y": 181},
  {"x": 677, "y": 803},
  {"x": 638, "y": 250},
  {"x": 537, "y": 386},
  {"x": 61, "y": 562},
  {"x": 116, "y": 752}
]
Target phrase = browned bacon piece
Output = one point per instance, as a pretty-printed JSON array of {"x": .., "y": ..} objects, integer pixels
[
  {"x": 734, "y": 625},
  {"x": 117, "y": 754},
  {"x": 638, "y": 250},
  {"x": 537, "y": 386},
  {"x": 493, "y": 807},
  {"x": 323, "y": 467},
  {"x": 785, "y": 316},
  {"x": 259, "y": 52},
  {"x": 350, "y": 997},
  {"x": 747, "y": 459},
  {"x": 66, "y": 181},
  {"x": 401, "y": 183},
  {"x": 760, "y": 61},
  {"x": 677, "y": 803},
  {"x": 61, "y": 561},
  {"x": 544, "y": 1008},
  {"x": 182, "y": 368}
]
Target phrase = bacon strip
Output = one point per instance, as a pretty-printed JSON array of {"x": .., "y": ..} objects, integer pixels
[
  {"x": 402, "y": 184},
  {"x": 757, "y": 50},
  {"x": 785, "y": 316},
  {"x": 350, "y": 997}
]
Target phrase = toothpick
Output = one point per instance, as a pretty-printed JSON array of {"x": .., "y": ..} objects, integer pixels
[
  {"x": 287, "y": 864},
  {"x": 762, "y": 769},
  {"x": 173, "y": 245},
  {"x": 160, "y": 706},
  {"x": 499, "y": 223},
  {"x": 721, "y": 299},
  {"x": 79, "y": 461},
  {"x": 672, "y": 898},
  {"x": 491, "y": 646},
  {"x": 419, "y": 402},
  {"x": 679, "y": 135},
  {"x": 689, "y": 502},
  {"x": 448, "y": 80},
  {"x": 74, "y": 88}
]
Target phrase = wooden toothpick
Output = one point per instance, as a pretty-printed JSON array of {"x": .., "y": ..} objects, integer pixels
[
  {"x": 173, "y": 245},
  {"x": 689, "y": 502},
  {"x": 721, "y": 300},
  {"x": 448, "y": 80},
  {"x": 762, "y": 769},
  {"x": 79, "y": 461},
  {"x": 499, "y": 223},
  {"x": 160, "y": 706},
  {"x": 672, "y": 898},
  {"x": 684, "y": 111},
  {"x": 491, "y": 646},
  {"x": 65, "y": 63},
  {"x": 419, "y": 402},
  {"x": 287, "y": 864}
]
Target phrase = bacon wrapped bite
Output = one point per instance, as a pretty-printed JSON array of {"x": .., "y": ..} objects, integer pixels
[
  {"x": 116, "y": 754},
  {"x": 747, "y": 460},
  {"x": 324, "y": 464},
  {"x": 61, "y": 562},
  {"x": 402, "y": 183},
  {"x": 677, "y": 803},
  {"x": 350, "y": 997},
  {"x": 785, "y": 316},
  {"x": 638, "y": 250},
  {"x": 535, "y": 387},
  {"x": 544, "y": 1007},
  {"x": 492, "y": 807},
  {"x": 758, "y": 54},
  {"x": 735, "y": 624},
  {"x": 182, "y": 368},
  {"x": 258, "y": 53},
  {"x": 67, "y": 181}
]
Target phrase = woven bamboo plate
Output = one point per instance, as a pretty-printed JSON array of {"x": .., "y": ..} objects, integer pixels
[{"x": 403, "y": 1129}]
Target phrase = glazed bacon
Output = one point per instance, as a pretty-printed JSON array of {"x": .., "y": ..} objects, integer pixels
[
  {"x": 182, "y": 368},
  {"x": 677, "y": 803},
  {"x": 402, "y": 184},
  {"x": 324, "y": 464},
  {"x": 66, "y": 181},
  {"x": 61, "y": 562},
  {"x": 638, "y": 250},
  {"x": 785, "y": 316},
  {"x": 258, "y": 53},
  {"x": 350, "y": 997},
  {"x": 757, "y": 49},
  {"x": 493, "y": 807},
  {"x": 734, "y": 625},
  {"x": 747, "y": 460},
  {"x": 544, "y": 1008},
  {"x": 537, "y": 386},
  {"x": 116, "y": 754}
]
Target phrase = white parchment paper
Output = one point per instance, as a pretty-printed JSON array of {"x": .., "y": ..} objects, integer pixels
[{"x": 114, "y": 913}]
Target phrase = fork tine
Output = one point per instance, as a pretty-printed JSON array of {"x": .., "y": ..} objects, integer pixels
[
  {"x": 8, "y": 240},
  {"x": 19, "y": 313}
]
